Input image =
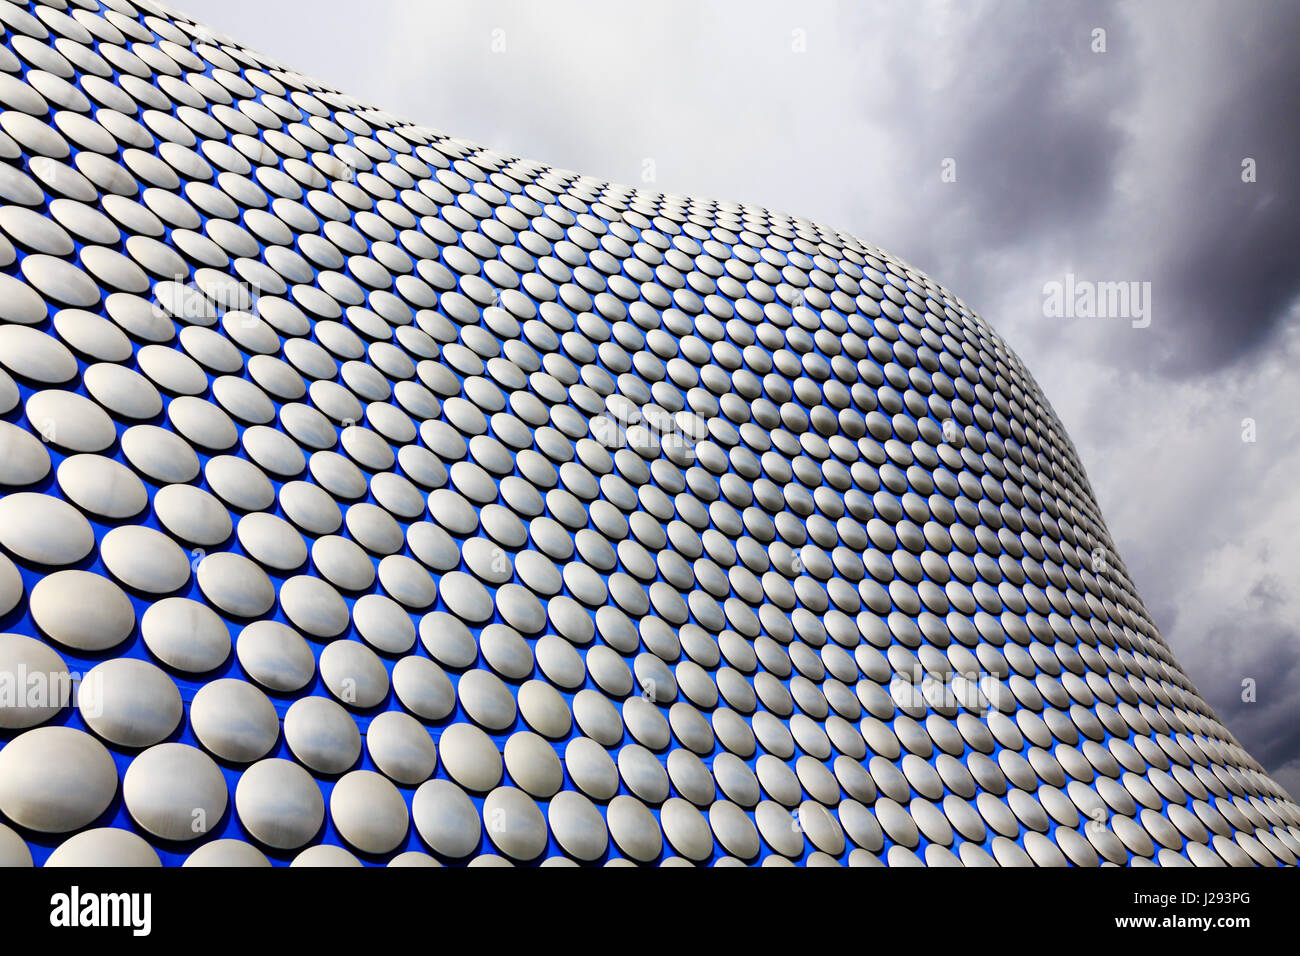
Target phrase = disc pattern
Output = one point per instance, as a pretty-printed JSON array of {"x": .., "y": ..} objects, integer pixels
[{"x": 371, "y": 496}]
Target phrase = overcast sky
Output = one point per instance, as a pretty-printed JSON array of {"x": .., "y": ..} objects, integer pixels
[{"x": 1117, "y": 166}]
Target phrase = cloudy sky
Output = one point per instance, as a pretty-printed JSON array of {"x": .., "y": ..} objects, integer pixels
[{"x": 1127, "y": 165}]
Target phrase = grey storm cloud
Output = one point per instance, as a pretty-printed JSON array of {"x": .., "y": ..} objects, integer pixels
[
  {"x": 1236, "y": 272},
  {"x": 1116, "y": 166}
]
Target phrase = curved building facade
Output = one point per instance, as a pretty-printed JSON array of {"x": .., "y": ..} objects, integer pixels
[{"x": 371, "y": 496}]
